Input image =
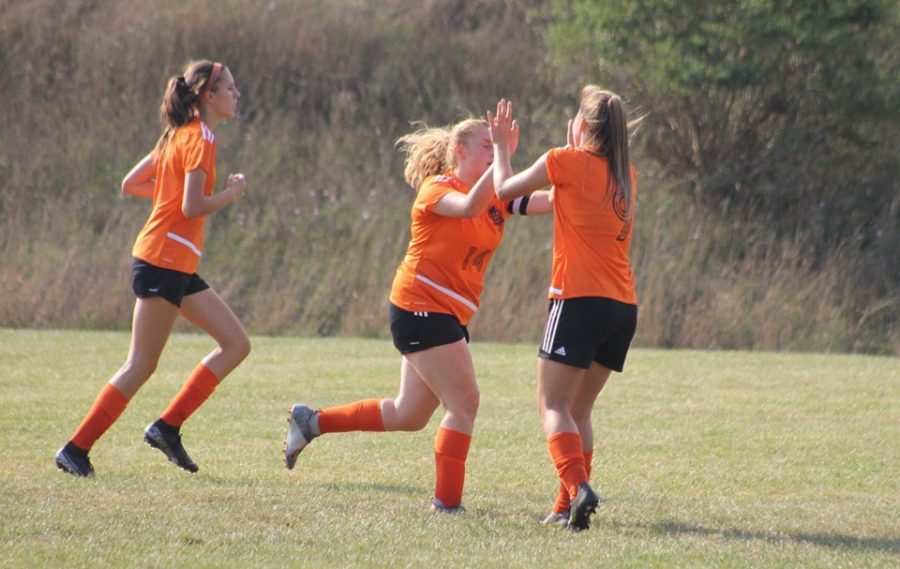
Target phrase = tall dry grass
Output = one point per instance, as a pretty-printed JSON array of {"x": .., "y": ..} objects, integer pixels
[{"x": 327, "y": 89}]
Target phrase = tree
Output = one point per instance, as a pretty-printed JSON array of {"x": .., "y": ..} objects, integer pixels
[{"x": 785, "y": 111}]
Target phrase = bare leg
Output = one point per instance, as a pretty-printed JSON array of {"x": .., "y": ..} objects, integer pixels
[
  {"x": 586, "y": 392},
  {"x": 413, "y": 406},
  {"x": 208, "y": 311},
  {"x": 151, "y": 326},
  {"x": 557, "y": 386},
  {"x": 449, "y": 373}
]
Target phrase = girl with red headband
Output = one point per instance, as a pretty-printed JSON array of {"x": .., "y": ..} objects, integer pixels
[{"x": 178, "y": 176}]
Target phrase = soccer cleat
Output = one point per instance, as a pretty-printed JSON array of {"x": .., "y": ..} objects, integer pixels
[
  {"x": 583, "y": 506},
  {"x": 74, "y": 461},
  {"x": 438, "y": 506},
  {"x": 299, "y": 433},
  {"x": 557, "y": 518},
  {"x": 170, "y": 445}
]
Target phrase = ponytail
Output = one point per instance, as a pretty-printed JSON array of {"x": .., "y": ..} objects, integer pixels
[
  {"x": 607, "y": 121},
  {"x": 619, "y": 155},
  {"x": 182, "y": 94}
]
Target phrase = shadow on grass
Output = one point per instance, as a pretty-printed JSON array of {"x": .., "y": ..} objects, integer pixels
[{"x": 884, "y": 544}]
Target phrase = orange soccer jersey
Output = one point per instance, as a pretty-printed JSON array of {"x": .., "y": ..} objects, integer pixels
[
  {"x": 443, "y": 270},
  {"x": 591, "y": 235},
  {"x": 169, "y": 239}
]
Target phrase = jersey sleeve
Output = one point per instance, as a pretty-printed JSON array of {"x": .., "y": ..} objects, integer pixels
[
  {"x": 555, "y": 167},
  {"x": 199, "y": 152},
  {"x": 431, "y": 193}
]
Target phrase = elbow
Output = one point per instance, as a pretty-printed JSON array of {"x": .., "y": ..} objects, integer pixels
[
  {"x": 189, "y": 212},
  {"x": 503, "y": 194}
]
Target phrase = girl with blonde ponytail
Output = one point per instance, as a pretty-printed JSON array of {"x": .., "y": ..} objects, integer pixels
[
  {"x": 178, "y": 176},
  {"x": 593, "y": 305},
  {"x": 457, "y": 223}
]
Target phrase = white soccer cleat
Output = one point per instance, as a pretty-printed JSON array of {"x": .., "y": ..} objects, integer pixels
[
  {"x": 556, "y": 518},
  {"x": 438, "y": 506},
  {"x": 299, "y": 433}
]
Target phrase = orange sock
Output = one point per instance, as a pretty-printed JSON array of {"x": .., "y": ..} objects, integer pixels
[
  {"x": 450, "y": 451},
  {"x": 106, "y": 409},
  {"x": 197, "y": 389},
  {"x": 568, "y": 457},
  {"x": 562, "y": 496},
  {"x": 362, "y": 415}
]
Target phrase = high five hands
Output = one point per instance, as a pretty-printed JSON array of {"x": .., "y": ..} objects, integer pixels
[{"x": 504, "y": 129}]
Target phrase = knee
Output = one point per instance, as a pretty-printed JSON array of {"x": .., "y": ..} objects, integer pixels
[
  {"x": 556, "y": 404},
  {"x": 474, "y": 400},
  {"x": 139, "y": 369},
  {"x": 238, "y": 347},
  {"x": 245, "y": 347},
  {"x": 581, "y": 415},
  {"x": 465, "y": 405}
]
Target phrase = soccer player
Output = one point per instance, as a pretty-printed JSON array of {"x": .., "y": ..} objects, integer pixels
[
  {"x": 593, "y": 305},
  {"x": 457, "y": 223},
  {"x": 178, "y": 176}
]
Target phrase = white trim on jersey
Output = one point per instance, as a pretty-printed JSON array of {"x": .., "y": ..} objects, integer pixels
[
  {"x": 552, "y": 324},
  {"x": 207, "y": 133},
  {"x": 186, "y": 242},
  {"x": 452, "y": 294},
  {"x": 555, "y": 290}
]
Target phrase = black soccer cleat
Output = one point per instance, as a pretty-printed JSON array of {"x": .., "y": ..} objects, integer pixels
[
  {"x": 170, "y": 445},
  {"x": 75, "y": 461},
  {"x": 583, "y": 506}
]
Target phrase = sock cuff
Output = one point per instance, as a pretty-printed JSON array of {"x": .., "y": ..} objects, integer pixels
[
  {"x": 364, "y": 415},
  {"x": 565, "y": 444},
  {"x": 111, "y": 400},
  {"x": 452, "y": 443},
  {"x": 204, "y": 380},
  {"x": 370, "y": 415}
]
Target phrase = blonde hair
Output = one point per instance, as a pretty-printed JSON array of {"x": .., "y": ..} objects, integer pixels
[
  {"x": 607, "y": 130},
  {"x": 431, "y": 151}
]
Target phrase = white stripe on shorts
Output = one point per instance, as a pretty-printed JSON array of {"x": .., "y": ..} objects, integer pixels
[{"x": 552, "y": 324}]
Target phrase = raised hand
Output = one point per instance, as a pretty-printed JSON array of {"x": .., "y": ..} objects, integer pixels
[{"x": 504, "y": 129}]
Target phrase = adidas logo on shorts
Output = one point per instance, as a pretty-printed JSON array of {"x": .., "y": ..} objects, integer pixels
[{"x": 560, "y": 351}]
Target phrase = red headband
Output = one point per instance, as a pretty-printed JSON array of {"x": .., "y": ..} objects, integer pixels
[{"x": 213, "y": 76}]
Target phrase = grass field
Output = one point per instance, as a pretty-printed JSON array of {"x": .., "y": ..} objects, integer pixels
[{"x": 714, "y": 459}]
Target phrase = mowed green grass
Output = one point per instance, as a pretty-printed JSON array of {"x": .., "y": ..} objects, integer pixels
[{"x": 716, "y": 459}]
